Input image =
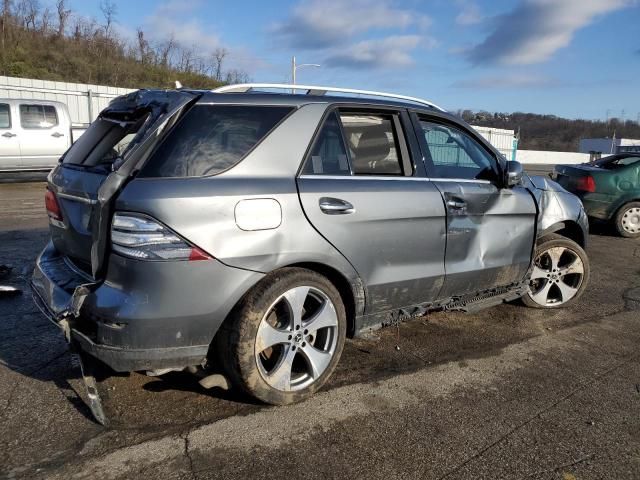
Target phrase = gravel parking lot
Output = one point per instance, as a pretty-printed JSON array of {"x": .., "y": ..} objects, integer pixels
[{"x": 509, "y": 392}]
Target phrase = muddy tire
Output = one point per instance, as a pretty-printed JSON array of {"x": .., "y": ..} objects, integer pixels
[
  {"x": 285, "y": 338},
  {"x": 627, "y": 220},
  {"x": 560, "y": 274}
]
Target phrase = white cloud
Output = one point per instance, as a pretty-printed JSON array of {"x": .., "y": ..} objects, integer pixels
[
  {"x": 393, "y": 51},
  {"x": 535, "y": 29},
  {"x": 470, "y": 13},
  {"x": 318, "y": 24},
  {"x": 507, "y": 81},
  {"x": 176, "y": 19}
]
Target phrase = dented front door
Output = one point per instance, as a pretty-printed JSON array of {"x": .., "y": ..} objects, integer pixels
[{"x": 490, "y": 235}]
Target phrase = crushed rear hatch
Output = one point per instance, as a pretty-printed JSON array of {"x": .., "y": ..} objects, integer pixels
[{"x": 99, "y": 164}]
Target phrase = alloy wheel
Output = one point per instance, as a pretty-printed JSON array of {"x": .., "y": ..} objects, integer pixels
[
  {"x": 557, "y": 275},
  {"x": 297, "y": 338}
]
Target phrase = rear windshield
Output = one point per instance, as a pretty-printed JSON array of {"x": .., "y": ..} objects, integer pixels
[
  {"x": 617, "y": 162},
  {"x": 103, "y": 142},
  {"x": 212, "y": 138}
]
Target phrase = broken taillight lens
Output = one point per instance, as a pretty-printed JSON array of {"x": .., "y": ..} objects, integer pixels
[
  {"x": 139, "y": 236},
  {"x": 52, "y": 206},
  {"x": 585, "y": 184}
]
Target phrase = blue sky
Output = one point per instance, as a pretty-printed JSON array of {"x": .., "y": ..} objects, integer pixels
[{"x": 573, "y": 58}]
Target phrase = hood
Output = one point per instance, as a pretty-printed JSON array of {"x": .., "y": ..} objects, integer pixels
[{"x": 545, "y": 183}]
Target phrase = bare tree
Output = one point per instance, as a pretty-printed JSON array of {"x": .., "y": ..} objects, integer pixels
[
  {"x": 63, "y": 16},
  {"x": 143, "y": 46},
  {"x": 45, "y": 21},
  {"x": 31, "y": 12},
  {"x": 109, "y": 12},
  {"x": 237, "y": 76},
  {"x": 218, "y": 57},
  {"x": 165, "y": 50},
  {"x": 6, "y": 13}
]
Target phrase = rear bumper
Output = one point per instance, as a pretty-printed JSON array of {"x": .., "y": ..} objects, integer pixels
[{"x": 144, "y": 315}]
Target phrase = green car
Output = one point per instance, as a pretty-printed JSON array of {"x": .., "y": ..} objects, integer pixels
[{"x": 609, "y": 190}]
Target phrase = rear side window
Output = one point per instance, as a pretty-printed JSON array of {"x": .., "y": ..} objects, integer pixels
[
  {"x": 5, "y": 116},
  {"x": 329, "y": 154},
  {"x": 612, "y": 164},
  {"x": 38, "y": 116},
  {"x": 372, "y": 143},
  {"x": 210, "y": 139}
]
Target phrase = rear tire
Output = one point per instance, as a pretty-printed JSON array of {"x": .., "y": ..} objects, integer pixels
[
  {"x": 627, "y": 220},
  {"x": 285, "y": 338},
  {"x": 560, "y": 274}
]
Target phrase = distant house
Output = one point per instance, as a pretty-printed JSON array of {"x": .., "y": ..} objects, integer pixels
[{"x": 608, "y": 146}]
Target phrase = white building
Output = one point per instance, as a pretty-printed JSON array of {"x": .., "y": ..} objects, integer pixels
[{"x": 607, "y": 146}]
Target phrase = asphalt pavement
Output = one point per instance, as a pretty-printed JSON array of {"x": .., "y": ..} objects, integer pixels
[{"x": 509, "y": 392}]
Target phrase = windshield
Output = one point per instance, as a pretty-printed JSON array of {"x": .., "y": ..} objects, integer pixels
[
  {"x": 612, "y": 163},
  {"x": 103, "y": 142}
]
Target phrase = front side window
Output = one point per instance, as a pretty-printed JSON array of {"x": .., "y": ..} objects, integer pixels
[
  {"x": 38, "y": 116},
  {"x": 373, "y": 143},
  {"x": 329, "y": 154},
  {"x": 5, "y": 116},
  {"x": 454, "y": 154},
  {"x": 211, "y": 139}
]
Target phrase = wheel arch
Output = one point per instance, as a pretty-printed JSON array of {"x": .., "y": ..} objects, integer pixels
[
  {"x": 351, "y": 291},
  {"x": 568, "y": 229}
]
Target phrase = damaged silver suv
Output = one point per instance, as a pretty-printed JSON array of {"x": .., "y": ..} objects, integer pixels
[{"x": 255, "y": 231}]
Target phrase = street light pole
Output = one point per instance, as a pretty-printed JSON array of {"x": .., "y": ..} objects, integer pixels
[{"x": 295, "y": 67}]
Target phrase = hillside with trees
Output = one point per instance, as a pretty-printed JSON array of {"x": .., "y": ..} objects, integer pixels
[
  {"x": 551, "y": 133},
  {"x": 58, "y": 44}
]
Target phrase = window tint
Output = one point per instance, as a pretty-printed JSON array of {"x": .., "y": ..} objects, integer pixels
[
  {"x": 210, "y": 139},
  {"x": 372, "y": 144},
  {"x": 5, "y": 116},
  {"x": 38, "y": 116},
  {"x": 329, "y": 155},
  {"x": 454, "y": 154}
]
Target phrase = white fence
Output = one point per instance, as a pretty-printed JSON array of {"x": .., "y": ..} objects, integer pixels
[
  {"x": 550, "y": 158},
  {"x": 503, "y": 140},
  {"x": 84, "y": 101}
]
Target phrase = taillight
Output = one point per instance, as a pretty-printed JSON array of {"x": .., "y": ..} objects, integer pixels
[
  {"x": 141, "y": 237},
  {"x": 52, "y": 206},
  {"x": 585, "y": 184}
]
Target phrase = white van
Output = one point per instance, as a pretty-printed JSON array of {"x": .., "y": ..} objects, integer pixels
[{"x": 34, "y": 134}]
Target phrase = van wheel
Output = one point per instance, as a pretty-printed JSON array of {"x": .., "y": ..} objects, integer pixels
[
  {"x": 627, "y": 220},
  {"x": 285, "y": 337},
  {"x": 560, "y": 273}
]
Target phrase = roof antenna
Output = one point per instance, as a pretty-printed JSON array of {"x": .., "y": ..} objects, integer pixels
[{"x": 178, "y": 85}]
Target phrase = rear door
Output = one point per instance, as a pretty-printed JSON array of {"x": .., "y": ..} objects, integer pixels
[
  {"x": 490, "y": 228},
  {"x": 44, "y": 134},
  {"x": 360, "y": 190},
  {"x": 9, "y": 142}
]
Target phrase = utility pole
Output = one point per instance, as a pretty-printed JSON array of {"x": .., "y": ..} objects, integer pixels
[{"x": 295, "y": 66}]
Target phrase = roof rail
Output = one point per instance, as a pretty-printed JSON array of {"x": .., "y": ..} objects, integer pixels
[{"x": 316, "y": 90}]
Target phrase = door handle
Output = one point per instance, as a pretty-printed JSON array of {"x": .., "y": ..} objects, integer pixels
[
  {"x": 335, "y": 206},
  {"x": 457, "y": 204},
  {"x": 9, "y": 135},
  {"x": 57, "y": 134}
]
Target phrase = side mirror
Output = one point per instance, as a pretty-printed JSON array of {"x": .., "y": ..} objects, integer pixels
[{"x": 514, "y": 173}]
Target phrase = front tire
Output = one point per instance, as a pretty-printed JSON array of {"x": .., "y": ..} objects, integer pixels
[
  {"x": 560, "y": 273},
  {"x": 285, "y": 338},
  {"x": 627, "y": 220}
]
